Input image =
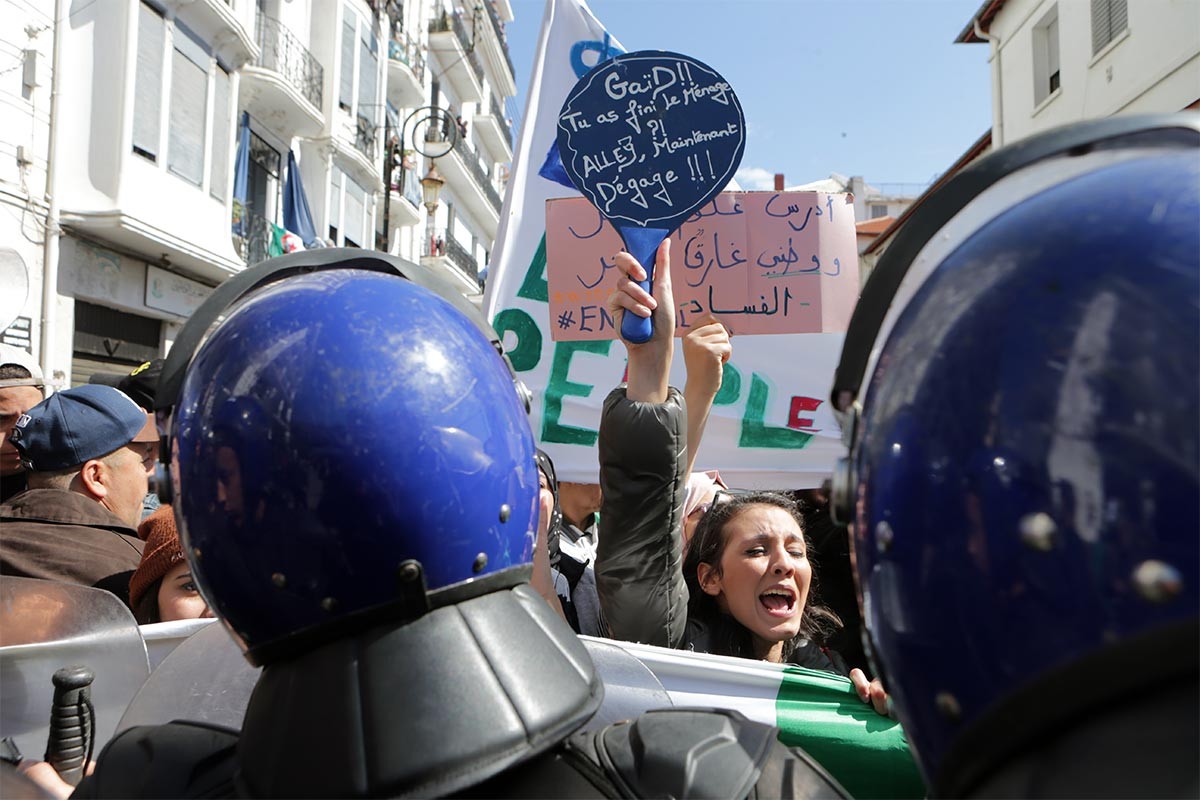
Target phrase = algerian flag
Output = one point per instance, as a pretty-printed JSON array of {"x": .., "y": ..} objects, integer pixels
[{"x": 817, "y": 711}]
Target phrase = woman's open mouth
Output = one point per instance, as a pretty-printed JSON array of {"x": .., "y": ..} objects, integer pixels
[{"x": 778, "y": 602}]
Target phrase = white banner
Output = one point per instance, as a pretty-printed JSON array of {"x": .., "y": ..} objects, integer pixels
[{"x": 770, "y": 426}]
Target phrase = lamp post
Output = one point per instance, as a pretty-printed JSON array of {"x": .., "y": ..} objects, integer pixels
[
  {"x": 431, "y": 187},
  {"x": 436, "y": 140}
]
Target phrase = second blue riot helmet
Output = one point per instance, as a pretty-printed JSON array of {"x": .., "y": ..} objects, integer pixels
[
  {"x": 348, "y": 447},
  {"x": 1023, "y": 484}
]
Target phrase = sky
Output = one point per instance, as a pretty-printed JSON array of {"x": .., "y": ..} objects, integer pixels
[{"x": 856, "y": 87}]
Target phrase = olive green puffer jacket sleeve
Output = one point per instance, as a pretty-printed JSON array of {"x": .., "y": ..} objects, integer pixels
[{"x": 639, "y": 575}]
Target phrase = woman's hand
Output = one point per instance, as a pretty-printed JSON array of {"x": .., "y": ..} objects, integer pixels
[
  {"x": 706, "y": 348},
  {"x": 649, "y": 362},
  {"x": 870, "y": 691}
]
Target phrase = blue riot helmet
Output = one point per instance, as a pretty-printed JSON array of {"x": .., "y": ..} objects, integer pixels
[
  {"x": 1020, "y": 396},
  {"x": 349, "y": 447}
]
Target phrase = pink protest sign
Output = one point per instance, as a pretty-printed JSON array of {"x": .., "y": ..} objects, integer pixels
[{"x": 760, "y": 262}]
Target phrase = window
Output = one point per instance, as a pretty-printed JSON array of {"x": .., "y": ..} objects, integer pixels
[
  {"x": 263, "y": 180},
  {"x": 222, "y": 154},
  {"x": 354, "y": 225},
  {"x": 181, "y": 103},
  {"x": 1109, "y": 19},
  {"x": 1045, "y": 57},
  {"x": 346, "y": 83},
  {"x": 878, "y": 211},
  {"x": 147, "y": 98},
  {"x": 347, "y": 210},
  {"x": 335, "y": 205},
  {"x": 368, "y": 73},
  {"x": 189, "y": 107}
]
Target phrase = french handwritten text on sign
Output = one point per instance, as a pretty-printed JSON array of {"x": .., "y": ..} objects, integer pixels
[
  {"x": 649, "y": 137},
  {"x": 761, "y": 262}
]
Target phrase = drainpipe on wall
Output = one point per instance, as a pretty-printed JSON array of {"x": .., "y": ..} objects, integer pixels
[
  {"x": 52, "y": 230},
  {"x": 997, "y": 89}
]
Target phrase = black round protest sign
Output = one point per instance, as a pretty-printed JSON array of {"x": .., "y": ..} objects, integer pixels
[{"x": 650, "y": 137}]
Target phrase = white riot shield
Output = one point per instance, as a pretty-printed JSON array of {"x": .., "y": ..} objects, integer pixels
[
  {"x": 206, "y": 679},
  {"x": 46, "y": 625}
]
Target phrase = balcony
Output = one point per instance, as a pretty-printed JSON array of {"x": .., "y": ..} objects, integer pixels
[
  {"x": 494, "y": 129},
  {"x": 503, "y": 10},
  {"x": 443, "y": 254},
  {"x": 219, "y": 24},
  {"x": 285, "y": 82},
  {"x": 492, "y": 44},
  {"x": 471, "y": 185},
  {"x": 406, "y": 72},
  {"x": 365, "y": 136},
  {"x": 255, "y": 242},
  {"x": 404, "y": 200},
  {"x": 450, "y": 40}
]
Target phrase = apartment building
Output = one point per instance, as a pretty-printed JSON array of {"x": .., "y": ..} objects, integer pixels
[
  {"x": 158, "y": 158},
  {"x": 1058, "y": 61},
  {"x": 1054, "y": 62}
]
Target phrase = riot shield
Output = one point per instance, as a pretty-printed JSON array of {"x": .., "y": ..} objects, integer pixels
[
  {"x": 46, "y": 625},
  {"x": 205, "y": 679}
]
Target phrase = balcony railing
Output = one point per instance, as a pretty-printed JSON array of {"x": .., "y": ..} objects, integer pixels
[
  {"x": 282, "y": 52},
  {"x": 502, "y": 120},
  {"x": 501, "y": 36},
  {"x": 403, "y": 48},
  {"x": 406, "y": 183},
  {"x": 364, "y": 137},
  {"x": 442, "y": 245},
  {"x": 471, "y": 159},
  {"x": 453, "y": 22},
  {"x": 255, "y": 241}
]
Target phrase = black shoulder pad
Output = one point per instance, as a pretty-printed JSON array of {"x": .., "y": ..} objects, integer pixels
[
  {"x": 718, "y": 753},
  {"x": 179, "y": 759}
]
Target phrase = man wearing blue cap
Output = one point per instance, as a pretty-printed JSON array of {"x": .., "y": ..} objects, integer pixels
[
  {"x": 21, "y": 388},
  {"x": 87, "y": 451}
]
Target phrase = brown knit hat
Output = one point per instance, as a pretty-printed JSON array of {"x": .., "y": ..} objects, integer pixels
[{"x": 161, "y": 553}]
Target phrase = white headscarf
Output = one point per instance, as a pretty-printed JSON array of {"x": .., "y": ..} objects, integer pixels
[{"x": 700, "y": 488}]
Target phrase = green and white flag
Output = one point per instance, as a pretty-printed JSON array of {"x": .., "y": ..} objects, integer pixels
[{"x": 817, "y": 711}]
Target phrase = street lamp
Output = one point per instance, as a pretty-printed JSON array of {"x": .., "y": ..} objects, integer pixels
[
  {"x": 431, "y": 132},
  {"x": 431, "y": 187}
]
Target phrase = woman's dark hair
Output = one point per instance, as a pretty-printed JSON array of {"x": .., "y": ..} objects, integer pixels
[
  {"x": 729, "y": 637},
  {"x": 146, "y": 612}
]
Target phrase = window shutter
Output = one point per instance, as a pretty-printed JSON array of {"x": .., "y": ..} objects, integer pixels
[
  {"x": 1118, "y": 18},
  {"x": 147, "y": 100},
  {"x": 189, "y": 106},
  {"x": 1109, "y": 18},
  {"x": 368, "y": 66},
  {"x": 355, "y": 212},
  {"x": 1100, "y": 28},
  {"x": 346, "y": 85},
  {"x": 335, "y": 202},
  {"x": 221, "y": 153}
]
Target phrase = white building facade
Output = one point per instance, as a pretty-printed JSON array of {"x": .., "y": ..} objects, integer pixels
[
  {"x": 1059, "y": 61},
  {"x": 117, "y": 171}
]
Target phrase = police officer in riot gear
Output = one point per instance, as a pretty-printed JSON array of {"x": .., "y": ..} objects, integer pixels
[{"x": 1020, "y": 392}]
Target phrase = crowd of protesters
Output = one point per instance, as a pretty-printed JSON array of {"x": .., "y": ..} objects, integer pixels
[
  {"x": 654, "y": 553},
  {"x": 78, "y": 506}
]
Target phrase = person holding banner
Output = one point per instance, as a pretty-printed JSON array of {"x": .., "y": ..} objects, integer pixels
[{"x": 746, "y": 588}]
